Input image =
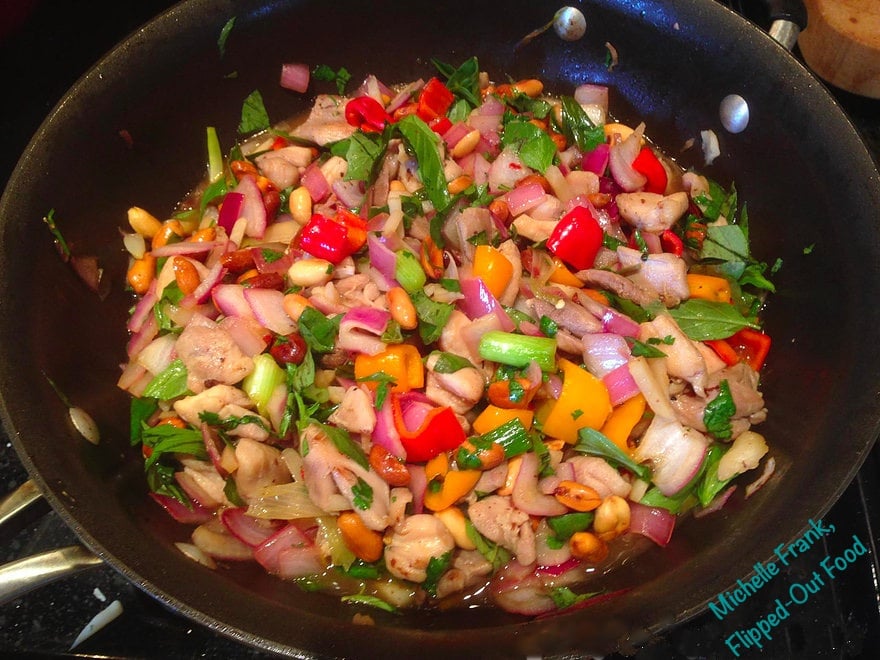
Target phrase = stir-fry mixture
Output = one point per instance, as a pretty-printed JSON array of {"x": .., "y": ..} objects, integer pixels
[{"x": 445, "y": 338}]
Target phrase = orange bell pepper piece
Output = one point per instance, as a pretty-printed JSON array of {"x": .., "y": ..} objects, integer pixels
[
  {"x": 583, "y": 402},
  {"x": 494, "y": 416},
  {"x": 401, "y": 362},
  {"x": 445, "y": 486},
  {"x": 708, "y": 287},
  {"x": 491, "y": 266},
  {"x": 623, "y": 420}
]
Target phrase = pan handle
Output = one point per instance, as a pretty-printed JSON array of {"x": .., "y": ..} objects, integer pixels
[
  {"x": 789, "y": 18},
  {"x": 21, "y": 576}
]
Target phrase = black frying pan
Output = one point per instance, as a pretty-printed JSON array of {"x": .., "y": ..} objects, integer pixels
[{"x": 808, "y": 180}]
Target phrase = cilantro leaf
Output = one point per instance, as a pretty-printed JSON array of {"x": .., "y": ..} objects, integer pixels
[
  {"x": 319, "y": 331},
  {"x": 437, "y": 566},
  {"x": 433, "y": 316}
]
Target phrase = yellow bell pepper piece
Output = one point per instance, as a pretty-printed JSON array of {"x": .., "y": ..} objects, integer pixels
[
  {"x": 491, "y": 266},
  {"x": 562, "y": 275},
  {"x": 493, "y": 417},
  {"x": 622, "y": 421},
  {"x": 708, "y": 287},
  {"x": 400, "y": 362},
  {"x": 445, "y": 486},
  {"x": 583, "y": 402}
]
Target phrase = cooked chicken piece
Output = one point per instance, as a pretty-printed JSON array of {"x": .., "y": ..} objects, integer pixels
[
  {"x": 511, "y": 291},
  {"x": 202, "y": 481},
  {"x": 283, "y": 166},
  {"x": 367, "y": 493},
  {"x": 468, "y": 567},
  {"x": 255, "y": 430},
  {"x": 651, "y": 211},
  {"x": 320, "y": 457},
  {"x": 451, "y": 339},
  {"x": 414, "y": 543},
  {"x": 211, "y": 400},
  {"x": 498, "y": 520},
  {"x": 618, "y": 284},
  {"x": 460, "y": 390},
  {"x": 401, "y": 497},
  {"x": 326, "y": 122},
  {"x": 464, "y": 225},
  {"x": 259, "y": 465},
  {"x": 683, "y": 359},
  {"x": 664, "y": 273},
  {"x": 595, "y": 472},
  {"x": 570, "y": 316},
  {"x": 532, "y": 229},
  {"x": 356, "y": 412},
  {"x": 211, "y": 356}
]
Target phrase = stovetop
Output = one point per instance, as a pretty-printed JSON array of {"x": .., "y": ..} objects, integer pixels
[{"x": 45, "y": 45}]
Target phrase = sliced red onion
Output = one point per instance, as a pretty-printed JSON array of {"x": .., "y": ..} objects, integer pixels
[
  {"x": 414, "y": 407},
  {"x": 769, "y": 469},
  {"x": 268, "y": 553},
  {"x": 180, "y": 512},
  {"x": 517, "y": 589},
  {"x": 214, "y": 447},
  {"x": 211, "y": 279},
  {"x": 158, "y": 354},
  {"x": 455, "y": 133},
  {"x": 655, "y": 523},
  {"x": 604, "y": 352},
  {"x": 144, "y": 308},
  {"x": 674, "y": 452},
  {"x": 297, "y": 562},
  {"x": 596, "y": 161},
  {"x": 247, "y": 529},
  {"x": 350, "y": 193},
  {"x": 481, "y": 168},
  {"x": 589, "y": 94},
  {"x": 385, "y": 433},
  {"x": 487, "y": 117},
  {"x": 506, "y": 171},
  {"x": 316, "y": 183},
  {"x": 267, "y": 306},
  {"x": 247, "y": 334},
  {"x": 526, "y": 496},
  {"x": 383, "y": 259},
  {"x": 418, "y": 482},
  {"x": 404, "y": 96},
  {"x": 558, "y": 570},
  {"x": 621, "y": 159},
  {"x": 253, "y": 208},
  {"x": 620, "y": 324},
  {"x": 478, "y": 301},
  {"x": 361, "y": 328},
  {"x": 295, "y": 76},
  {"x": 184, "y": 248},
  {"x": 230, "y": 300},
  {"x": 620, "y": 384},
  {"x": 524, "y": 198},
  {"x": 230, "y": 210},
  {"x": 142, "y": 338},
  {"x": 277, "y": 265},
  {"x": 716, "y": 504},
  {"x": 88, "y": 270}
]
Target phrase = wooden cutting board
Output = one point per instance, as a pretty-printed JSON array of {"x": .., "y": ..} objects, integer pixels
[{"x": 842, "y": 43}]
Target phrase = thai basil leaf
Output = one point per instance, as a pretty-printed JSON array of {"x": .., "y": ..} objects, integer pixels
[
  {"x": 718, "y": 412},
  {"x": 711, "y": 485},
  {"x": 253, "y": 114},
  {"x": 168, "y": 383},
  {"x": 534, "y": 146},
  {"x": 577, "y": 127},
  {"x": 705, "y": 319},
  {"x": 319, "y": 331},
  {"x": 425, "y": 144},
  {"x": 343, "y": 442},
  {"x": 464, "y": 81},
  {"x": 594, "y": 443}
]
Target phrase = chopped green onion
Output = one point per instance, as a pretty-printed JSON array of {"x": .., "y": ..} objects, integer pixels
[
  {"x": 262, "y": 381},
  {"x": 512, "y": 436},
  {"x": 215, "y": 156},
  {"x": 409, "y": 272},
  {"x": 518, "y": 350}
]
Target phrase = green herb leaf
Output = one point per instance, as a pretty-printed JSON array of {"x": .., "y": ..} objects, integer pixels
[
  {"x": 319, "y": 331},
  {"x": 169, "y": 383},
  {"x": 362, "y": 152},
  {"x": 641, "y": 349},
  {"x": 437, "y": 566},
  {"x": 167, "y": 439},
  {"x": 564, "y": 597},
  {"x": 141, "y": 410},
  {"x": 706, "y": 319},
  {"x": 718, "y": 412},
  {"x": 49, "y": 219},
  {"x": 224, "y": 35},
  {"x": 343, "y": 442},
  {"x": 534, "y": 146},
  {"x": 425, "y": 144},
  {"x": 493, "y": 553},
  {"x": 327, "y": 74},
  {"x": 464, "y": 81},
  {"x": 230, "y": 489},
  {"x": 594, "y": 443},
  {"x": 710, "y": 485},
  {"x": 433, "y": 316},
  {"x": 362, "y": 495},
  {"x": 254, "y": 117},
  {"x": 577, "y": 127},
  {"x": 449, "y": 363}
]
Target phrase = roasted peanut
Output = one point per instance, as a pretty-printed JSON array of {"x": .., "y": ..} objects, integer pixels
[
  {"x": 300, "y": 203},
  {"x": 186, "y": 275},
  {"x": 141, "y": 273},
  {"x": 576, "y": 496},
  {"x": 535, "y": 178},
  {"x": 402, "y": 309},
  {"x": 294, "y": 304},
  {"x": 310, "y": 272},
  {"x": 203, "y": 235},
  {"x": 489, "y": 456},
  {"x": 588, "y": 547},
  {"x": 612, "y": 518},
  {"x": 466, "y": 144},
  {"x": 365, "y": 543},
  {"x": 163, "y": 236},
  {"x": 460, "y": 184},
  {"x": 530, "y": 87},
  {"x": 143, "y": 222},
  {"x": 388, "y": 466},
  {"x": 500, "y": 210},
  {"x": 238, "y": 261},
  {"x": 513, "y": 467}
]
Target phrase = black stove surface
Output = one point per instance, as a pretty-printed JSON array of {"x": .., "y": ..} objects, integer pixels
[{"x": 45, "y": 45}]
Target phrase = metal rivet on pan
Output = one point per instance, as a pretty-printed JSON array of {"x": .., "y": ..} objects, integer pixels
[
  {"x": 734, "y": 113},
  {"x": 569, "y": 23}
]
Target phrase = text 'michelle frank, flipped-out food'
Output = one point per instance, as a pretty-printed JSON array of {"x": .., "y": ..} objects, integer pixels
[{"x": 442, "y": 343}]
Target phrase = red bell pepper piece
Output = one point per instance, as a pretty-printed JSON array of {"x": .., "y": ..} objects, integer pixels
[
  {"x": 671, "y": 242},
  {"x": 724, "y": 350},
  {"x": 440, "y": 431},
  {"x": 356, "y": 226},
  {"x": 367, "y": 114},
  {"x": 576, "y": 239},
  {"x": 751, "y": 346},
  {"x": 648, "y": 165},
  {"x": 440, "y": 125},
  {"x": 434, "y": 101},
  {"x": 325, "y": 238}
]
